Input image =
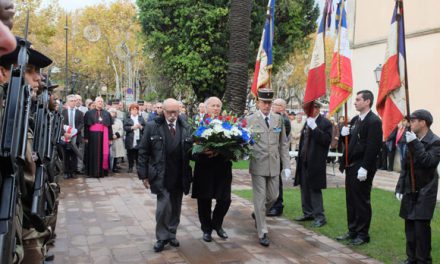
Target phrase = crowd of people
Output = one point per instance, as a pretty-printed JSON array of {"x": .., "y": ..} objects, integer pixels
[{"x": 156, "y": 140}]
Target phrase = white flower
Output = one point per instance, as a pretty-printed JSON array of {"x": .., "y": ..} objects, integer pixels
[
  {"x": 207, "y": 133},
  {"x": 227, "y": 133},
  {"x": 216, "y": 122},
  {"x": 235, "y": 131},
  {"x": 217, "y": 128}
]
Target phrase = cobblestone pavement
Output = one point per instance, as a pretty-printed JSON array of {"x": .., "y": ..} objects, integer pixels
[{"x": 112, "y": 220}]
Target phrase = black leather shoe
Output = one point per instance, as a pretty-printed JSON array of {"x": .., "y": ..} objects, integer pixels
[
  {"x": 359, "y": 241},
  {"x": 207, "y": 237},
  {"x": 49, "y": 257},
  {"x": 221, "y": 233},
  {"x": 264, "y": 241},
  {"x": 66, "y": 176},
  {"x": 174, "y": 242},
  {"x": 346, "y": 236},
  {"x": 274, "y": 212},
  {"x": 304, "y": 218},
  {"x": 319, "y": 223},
  {"x": 159, "y": 245},
  {"x": 130, "y": 170}
]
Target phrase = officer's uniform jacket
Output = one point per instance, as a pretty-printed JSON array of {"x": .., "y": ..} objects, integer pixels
[{"x": 271, "y": 146}]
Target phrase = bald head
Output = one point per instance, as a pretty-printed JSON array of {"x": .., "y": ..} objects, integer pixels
[
  {"x": 279, "y": 106},
  {"x": 171, "y": 109},
  {"x": 213, "y": 106}
]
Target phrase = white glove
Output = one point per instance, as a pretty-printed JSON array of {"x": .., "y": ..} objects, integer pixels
[
  {"x": 345, "y": 131},
  {"x": 410, "y": 136},
  {"x": 311, "y": 123},
  {"x": 362, "y": 174},
  {"x": 399, "y": 196},
  {"x": 287, "y": 173}
]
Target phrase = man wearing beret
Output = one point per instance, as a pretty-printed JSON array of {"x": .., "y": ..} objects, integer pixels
[
  {"x": 418, "y": 204},
  {"x": 365, "y": 138},
  {"x": 269, "y": 151}
]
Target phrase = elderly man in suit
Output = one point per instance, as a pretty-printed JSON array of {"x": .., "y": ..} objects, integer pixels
[
  {"x": 365, "y": 140},
  {"x": 164, "y": 166},
  {"x": 270, "y": 150},
  {"x": 74, "y": 120},
  {"x": 311, "y": 166}
]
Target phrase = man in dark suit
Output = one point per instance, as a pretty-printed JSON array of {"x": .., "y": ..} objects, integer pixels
[
  {"x": 365, "y": 139},
  {"x": 164, "y": 166},
  {"x": 311, "y": 167},
  {"x": 73, "y": 118},
  {"x": 418, "y": 206}
]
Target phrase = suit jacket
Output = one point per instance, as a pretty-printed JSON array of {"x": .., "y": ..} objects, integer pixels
[
  {"x": 153, "y": 155},
  {"x": 426, "y": 156},
  {"x": 365, "y": 141},
  {"x": 271, "y": 146},
  {"x": 317, "y": 150},
  {"x": 79, "y": 122}
]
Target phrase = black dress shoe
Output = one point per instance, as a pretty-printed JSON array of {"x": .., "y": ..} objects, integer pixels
[
  {"x": 66, "y": 176},
  {"x": 346, "y": 236},
  {"x": 359, "y": 241},
  {"x": 264, "y": 241},
  {"x": 207, "y": 237},
  {"x": 221, "y": 233},
  {"x": 304, "y": 218},
  {"x": 159, "y": 245},
  {"x": 49, "y": 257},
  {"x": 174, "y": 242},
  {"x": 274, "y": 212},
  {"x": 319, "y": 223},
  {"x": 130, "y": 170}
]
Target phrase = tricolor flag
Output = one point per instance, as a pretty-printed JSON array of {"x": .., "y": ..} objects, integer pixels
[
  {"x": 391, "y": 101},
  {"x": 340, "y": 74},
  {"x": 316, "y": 79},
  {"x": 264, "y": 62}
]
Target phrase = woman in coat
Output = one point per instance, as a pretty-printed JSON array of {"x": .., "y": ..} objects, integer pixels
[
  {"x": 118, "y": 148},
  {"x": 133, "y": 126}
]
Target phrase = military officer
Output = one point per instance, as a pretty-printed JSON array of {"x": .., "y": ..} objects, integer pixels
[{"x": 270, "y": 150}]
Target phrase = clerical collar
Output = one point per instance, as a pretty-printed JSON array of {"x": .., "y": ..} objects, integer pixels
[{"x": 362, "y": 116}]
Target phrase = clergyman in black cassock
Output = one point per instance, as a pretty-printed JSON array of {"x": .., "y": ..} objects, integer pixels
[{"x": 98, "y": 135}]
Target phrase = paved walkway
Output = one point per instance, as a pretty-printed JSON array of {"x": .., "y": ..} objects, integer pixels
[{"x": 111, "y": 220}]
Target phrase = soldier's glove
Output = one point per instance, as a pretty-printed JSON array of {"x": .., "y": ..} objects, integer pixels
[
  {"x": 362, "y": 174},
  {"x": 410, "y": 136},
  {"x": 287, "y": 173},
  {"x": 399, "y": 196},
  {"x": 345, "y": 131},
  {"x": 311, "y": 123}
]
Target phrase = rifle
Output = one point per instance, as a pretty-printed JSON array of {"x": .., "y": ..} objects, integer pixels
[
  {"x": 42, "y": 201},
  {"x": 13, "y": 139}
]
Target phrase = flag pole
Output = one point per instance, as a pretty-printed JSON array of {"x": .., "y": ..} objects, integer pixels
[
  {"x": 408, "y": 111},
  {"x": 346, "y": 137}
]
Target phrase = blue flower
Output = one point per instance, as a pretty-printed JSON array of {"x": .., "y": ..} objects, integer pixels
[
  {"x": 226, "y": 126},
  {"x": 199, "y": 131},
  {"x": 245, "y": 136}
]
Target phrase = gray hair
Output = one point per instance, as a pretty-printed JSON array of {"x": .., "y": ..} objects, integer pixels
[{"x": 71, "y": 97}]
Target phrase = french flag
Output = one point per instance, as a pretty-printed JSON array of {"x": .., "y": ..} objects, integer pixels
[
  {"x": 316, "y": 79},
  {"x": 391, "y": 101},
  {"x": 264, "y": 62},
  {"x": 340, "y": 73}
]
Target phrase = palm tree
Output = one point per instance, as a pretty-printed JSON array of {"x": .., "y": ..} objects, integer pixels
[{"x": 238, "y": 55}]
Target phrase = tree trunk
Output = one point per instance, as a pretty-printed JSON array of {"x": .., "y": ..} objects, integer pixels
[{"x": 237, "y": 76}]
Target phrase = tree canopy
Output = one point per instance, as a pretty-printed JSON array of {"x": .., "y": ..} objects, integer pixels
[{"x": 190, "y": 38}]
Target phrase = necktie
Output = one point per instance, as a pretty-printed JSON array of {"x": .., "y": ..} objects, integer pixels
[
  {"x": 172, "y": 129},
  {"x": 267, "y": 121},
  {"x": 71, "y": 122}
]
